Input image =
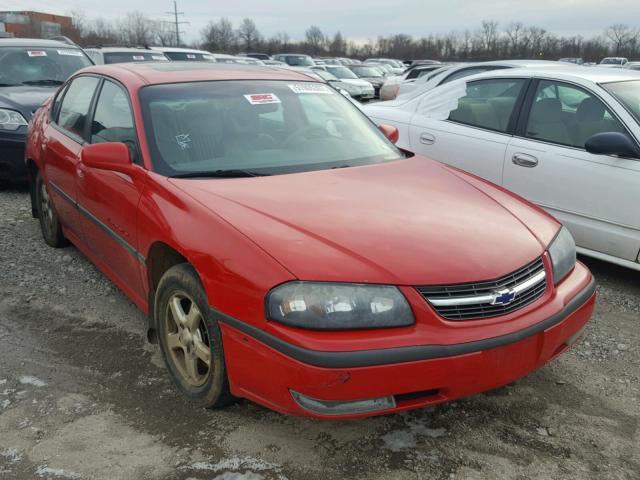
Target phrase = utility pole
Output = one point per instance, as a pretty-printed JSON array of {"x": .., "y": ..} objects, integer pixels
[{"x": 176, "y": 15}]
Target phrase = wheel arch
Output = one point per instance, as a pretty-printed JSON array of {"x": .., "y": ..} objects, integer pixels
[{"x": 161, "y": 256}]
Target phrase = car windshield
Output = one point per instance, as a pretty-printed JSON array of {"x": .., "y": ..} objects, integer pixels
[
  {"x": 253, "y": 127},
  {"x": 40, "y": 66},
  {"x": 341, "y": 72},
  {"x": 628, "y": 94},
  {"x": 326, "y": 76},
  {"x": 611, "y": 61},
  {"x": 190, "y": 57},
  {"x": 129, "y": 57},
  {"x": 299, "y": 61},
  {"x": 366, "y": 71}
]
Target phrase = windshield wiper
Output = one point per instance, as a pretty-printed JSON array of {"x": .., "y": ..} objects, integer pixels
[
  {"x": 8, "y": 84},
  {"x": 234, "y": 173},
  {"x": 43, "y": 82}
]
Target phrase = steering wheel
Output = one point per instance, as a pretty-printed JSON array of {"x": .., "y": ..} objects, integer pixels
[{"x": 305, "y": 133}]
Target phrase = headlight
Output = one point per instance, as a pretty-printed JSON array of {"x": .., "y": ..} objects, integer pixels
[
  {"x": 563, "y": 254},
  {"x": 338, "y": 306},
  {"x": 11, "y": 120}
]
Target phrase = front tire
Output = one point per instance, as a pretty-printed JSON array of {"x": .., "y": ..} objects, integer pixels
[
  {"x": 49, "y": 220},
  {"x": 190, "y": 338}
]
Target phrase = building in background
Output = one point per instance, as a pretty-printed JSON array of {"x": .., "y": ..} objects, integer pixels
[{"x": 36, "y": 25}]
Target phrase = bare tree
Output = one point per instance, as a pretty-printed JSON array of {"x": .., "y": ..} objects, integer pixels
[
  {"x": 338, "y": 45},
  {"x": 219, "y": 36},
  {"x": 490, "y": 35},
  {"x": 248, "y": 33},
  {"x": 514, "y": 32},
  {"x": 315, "y": 39},
  {"x": 620, "y": 35}
]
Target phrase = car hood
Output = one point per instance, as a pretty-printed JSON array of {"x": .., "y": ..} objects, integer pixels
[
  {"x": 25, "y": 99},
  {"x": 408, "y": 222}
]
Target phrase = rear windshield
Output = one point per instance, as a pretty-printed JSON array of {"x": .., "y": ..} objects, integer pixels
[
  {"x": 268, "y": 127},
  {"x": 130, "y": 57},
  {"x": 189, "y": 57},
  {"x": 366, "y": 71},
  {"x": 341, "y": 72},
  {"x": 39, "y": 66},
  {"x": 298, "y": 60}
]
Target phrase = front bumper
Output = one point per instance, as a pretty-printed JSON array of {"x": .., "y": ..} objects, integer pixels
[
  {"x": 12, "y": 164},
  {"x": 272, "y": 372}
]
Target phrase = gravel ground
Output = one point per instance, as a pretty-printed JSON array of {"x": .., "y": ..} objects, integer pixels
[{"x": 83, "y": 396}]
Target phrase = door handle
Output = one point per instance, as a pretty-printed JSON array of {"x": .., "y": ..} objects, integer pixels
[
  {"x": 524, "y": 160},
  {"x": 427, "y": 138}
]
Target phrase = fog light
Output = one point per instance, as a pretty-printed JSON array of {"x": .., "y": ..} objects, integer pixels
[{"x": 342, "y": 407}]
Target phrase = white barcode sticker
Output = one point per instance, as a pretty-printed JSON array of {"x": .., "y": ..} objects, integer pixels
[
  {"x": 70, "y": 53},
  {"x": 316, "y": 88}
]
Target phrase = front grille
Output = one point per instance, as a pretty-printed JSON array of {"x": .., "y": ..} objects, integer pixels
[{"x": 470, "y": 301}]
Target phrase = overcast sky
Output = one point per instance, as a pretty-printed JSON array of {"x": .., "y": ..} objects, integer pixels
[{"x": 363, "y": 19}]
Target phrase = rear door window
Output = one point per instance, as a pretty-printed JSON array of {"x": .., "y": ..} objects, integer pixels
[
  {"x": 74, "y": 108},
  {"x": 488, "y": 104}
]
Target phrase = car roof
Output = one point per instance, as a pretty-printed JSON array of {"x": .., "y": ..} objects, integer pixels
[
  {"x": 180, "y": 50},
  {"x": 34, "y": 42},
  {"x": 150, "y": 73},
  {"x": 590, "y": 74}
]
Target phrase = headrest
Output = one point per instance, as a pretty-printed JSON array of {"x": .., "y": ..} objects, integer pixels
[
  {"x": 547, "y": 110},
  {"x": 589, "y": 110}
]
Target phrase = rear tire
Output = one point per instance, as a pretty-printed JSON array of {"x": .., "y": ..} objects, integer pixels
[
  {"x": 190, "y": 338},
  {"x": 49, "y": 220}
]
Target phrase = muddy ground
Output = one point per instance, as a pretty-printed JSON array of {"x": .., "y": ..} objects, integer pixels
[{"x": 83, "y": 396}]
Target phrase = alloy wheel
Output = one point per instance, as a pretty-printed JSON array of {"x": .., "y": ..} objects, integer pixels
[{"x": 187, "y": 340}]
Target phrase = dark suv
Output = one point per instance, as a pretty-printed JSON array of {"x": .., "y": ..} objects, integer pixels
[{"x": 30, "y": 72}]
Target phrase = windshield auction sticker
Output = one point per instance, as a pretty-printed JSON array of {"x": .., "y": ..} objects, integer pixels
[
  {"x": 70, "y": 53},
  {"x": 138, "y": 57},
  {"x": 311, "y": 88},
  {"x": 37, "y": 53},
  {"x": 262, "y": 98}
]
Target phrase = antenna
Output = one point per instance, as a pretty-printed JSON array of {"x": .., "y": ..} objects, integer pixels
[{"x": 176, "y": 15}]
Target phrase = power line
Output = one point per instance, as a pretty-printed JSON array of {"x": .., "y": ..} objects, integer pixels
[{"x": 176, "y": 15}]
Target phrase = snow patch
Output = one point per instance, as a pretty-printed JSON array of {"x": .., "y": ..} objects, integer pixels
[
  {"x": 5, "y": 404},
  {"x": 250, "y": 465},
  {"x": 404, "y": 439},
  {"x": 12, "y": 455},
  {"x": 44, "y": 471},
  {"x": 30, "y": 380}
]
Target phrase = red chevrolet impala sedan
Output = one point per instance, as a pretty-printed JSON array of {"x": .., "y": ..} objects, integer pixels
[{"x": 287, "y": 252}]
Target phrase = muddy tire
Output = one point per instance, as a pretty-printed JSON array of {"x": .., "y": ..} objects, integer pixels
[
  {"x": 47, "y": 215},
  {"x": 190, "y": 338}
]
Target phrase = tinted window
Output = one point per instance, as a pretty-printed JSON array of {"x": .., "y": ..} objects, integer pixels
[
  {"x": 488, "y": 103},
  {"x": 75, "y": 105},
  {"x": 113, "y": 120},
  {"x": 568, "y": 115},
  {"x": 40, "y": 66}
]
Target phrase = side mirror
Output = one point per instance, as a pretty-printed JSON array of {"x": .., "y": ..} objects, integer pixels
[
  {"x": 612, "y": 143},
  {"x": 107, "y": 156},
  {"x": 390, "y": 132}
]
